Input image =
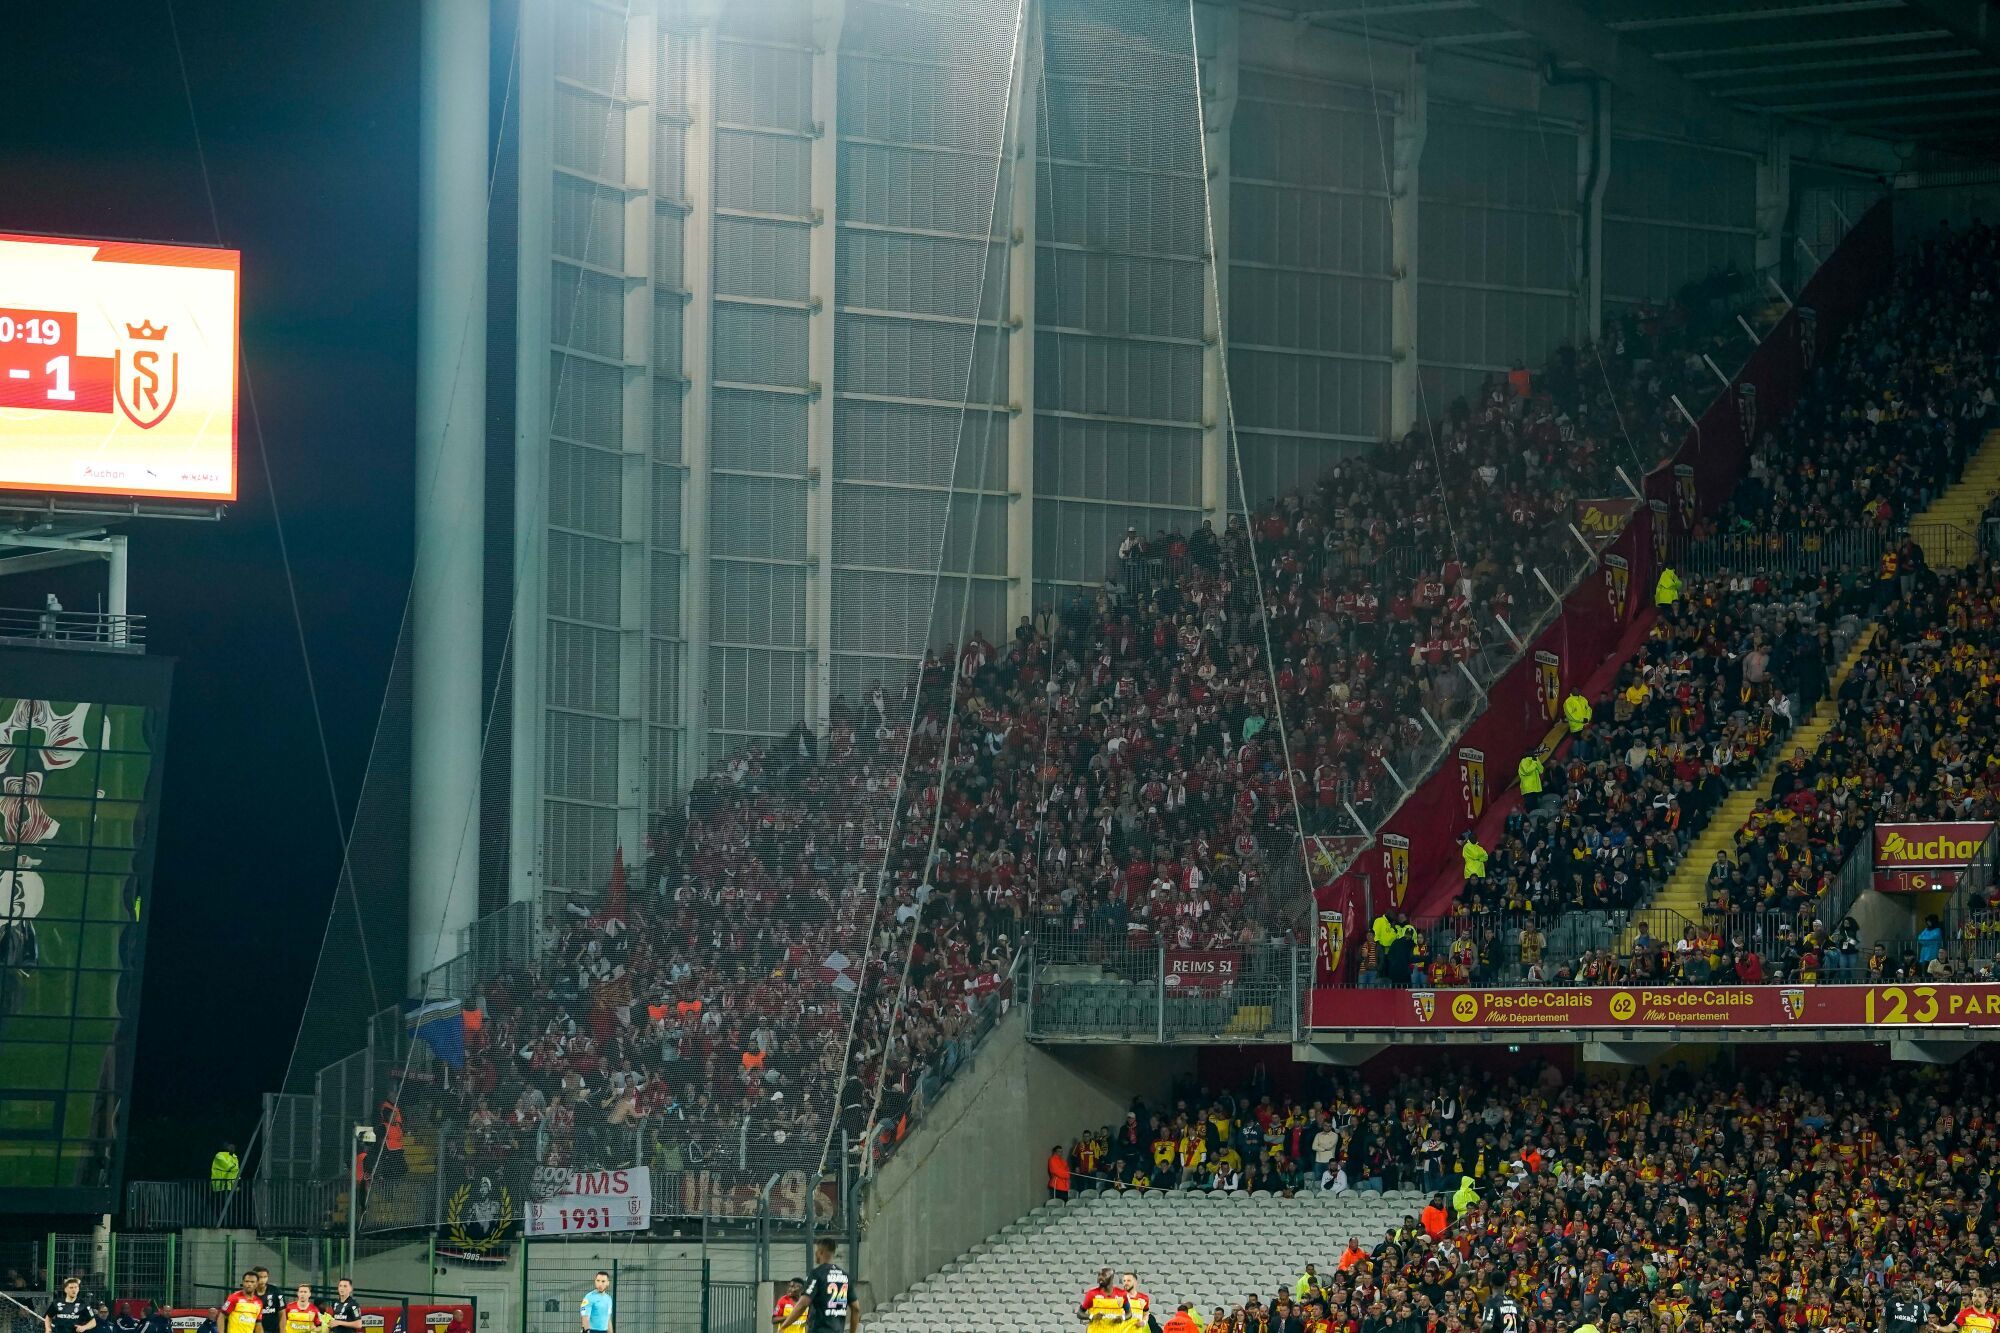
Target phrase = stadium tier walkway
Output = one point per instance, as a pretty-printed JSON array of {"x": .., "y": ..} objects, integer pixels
[
  {"x": 1686, "y": 890},
  {"x": 1207, "y": 1249},
  {"x": 1964, "y": 505}
]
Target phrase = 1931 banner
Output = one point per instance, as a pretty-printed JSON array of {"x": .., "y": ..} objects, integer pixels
[{"x": 1667, "y": 1007}]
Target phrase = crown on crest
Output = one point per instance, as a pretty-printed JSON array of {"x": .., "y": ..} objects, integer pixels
[{"x": 146, "y": 332}]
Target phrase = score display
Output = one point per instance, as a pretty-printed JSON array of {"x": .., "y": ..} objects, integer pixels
[{"x": 118, "y": 371}]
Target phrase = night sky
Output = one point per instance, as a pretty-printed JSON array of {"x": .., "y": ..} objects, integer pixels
[{"x": 307, "y": 110}]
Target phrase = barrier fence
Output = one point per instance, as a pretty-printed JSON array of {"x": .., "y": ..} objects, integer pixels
[
  {"x": 1814, "y": 553},
  {"x": 1103, "y": 984}
]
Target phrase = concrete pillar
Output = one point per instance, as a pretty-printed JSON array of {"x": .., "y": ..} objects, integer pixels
[
  {"x": 828, "y": 19},
  {"x": 117, "y": 584},
  {"x": 697, "y": 354},
  {"x": 635, "y": 547},
  {"x": 1412, "y": 127},
  {"x": 535, "y": 97},
  {"x": 1599, "y": 138},
  {"x": 446, "y": 692},
  {"x": 1218, "y": 77},
  {"x": 1024, "y": 141},
  {"x": 1774, "y": 199}
]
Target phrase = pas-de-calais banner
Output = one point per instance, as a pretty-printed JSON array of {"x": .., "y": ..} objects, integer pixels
[
  {"x": 593, "y": 1201},
  {"x": 1203, "y": 971},
  {"x": 1664, "y": 1007},
  {"x": 1926, "y": 858}
]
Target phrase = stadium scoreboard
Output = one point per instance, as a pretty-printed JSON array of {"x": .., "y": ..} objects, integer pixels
[{"x": 118, "y": 368}]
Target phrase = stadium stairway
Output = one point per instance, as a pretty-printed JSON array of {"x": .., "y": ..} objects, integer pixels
[
  {"x": 1207, "y": 1249},
  {"x": 1685, "y": 891},
  {"x": 1962, "y": 506}
]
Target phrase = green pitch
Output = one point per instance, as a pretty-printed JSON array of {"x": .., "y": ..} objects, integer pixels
[{"x": 73, "y": 777}]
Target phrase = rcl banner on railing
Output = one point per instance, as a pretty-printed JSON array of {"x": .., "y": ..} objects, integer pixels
[
  {"x": 1413, "y": 864},
  {"x": 593, "y": 1201},
  {"x": 1203, "y": 971},
  {"x": 1664, "y": 1007},
  {"x": 1926, "y": 858}
]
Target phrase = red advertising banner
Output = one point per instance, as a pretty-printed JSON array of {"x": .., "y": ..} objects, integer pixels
[
  {"x": 1664, "y": 1007},
  {"x": 1926, "y": 858},
  {"x": 1203, "y": 970},
  {"x": 1602, "y": 520}
]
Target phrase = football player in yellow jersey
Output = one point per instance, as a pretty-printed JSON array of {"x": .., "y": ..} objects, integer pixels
[
  {"x": 302, "y": 1316},
  {"x": 243, "y": 1311}
]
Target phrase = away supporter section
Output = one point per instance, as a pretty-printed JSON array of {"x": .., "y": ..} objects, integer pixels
[{"x": 1117, "y": 768}]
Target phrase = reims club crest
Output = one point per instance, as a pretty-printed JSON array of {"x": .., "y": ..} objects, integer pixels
[{"x": 145, "y": 376}]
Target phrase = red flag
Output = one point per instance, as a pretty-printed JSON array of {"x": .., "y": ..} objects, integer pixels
[{"x": 614, "y": 902}]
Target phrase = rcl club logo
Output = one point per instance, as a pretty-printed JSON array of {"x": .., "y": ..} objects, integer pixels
[
  {"x": 1794, "y": 1001},
  {"x": 1425, "y": 1002}
]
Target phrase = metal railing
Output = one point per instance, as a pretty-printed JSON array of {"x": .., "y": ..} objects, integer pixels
[
  {"x": 270, "y": 1206},
  {"x": 73, "y": 629},
  {"x": 1104, "y": 985},
  {"x": 1816, "y": 552}
]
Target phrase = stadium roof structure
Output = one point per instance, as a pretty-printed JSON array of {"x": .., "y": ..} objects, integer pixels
[{"x": 1922, "y": 73}]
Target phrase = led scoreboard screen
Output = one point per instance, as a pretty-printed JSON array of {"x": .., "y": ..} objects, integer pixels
[{"x": 118, "y": 368}]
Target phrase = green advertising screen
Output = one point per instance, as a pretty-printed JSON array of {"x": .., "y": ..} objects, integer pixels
[{"x": 79, "y": 782}]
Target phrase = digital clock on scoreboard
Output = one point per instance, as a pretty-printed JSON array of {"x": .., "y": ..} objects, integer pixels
[{"x": 118, "y": 371}]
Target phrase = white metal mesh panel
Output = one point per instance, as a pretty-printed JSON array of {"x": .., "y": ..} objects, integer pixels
[
  {"x": 1309, "y": 276},
  {"x": 928, "y": 275},
  {"x": 589, "y": 133},
  {"x": 758, "y": 257},
  {"x": 1673, "y": 214},
  {"x": 922, "y": 99},
  {"x": 588, "y": 311},
  {"x": 911, "y": 443},
  {"x": 761, "y": 172},
  {"x": 1497, "y": 269},
  {"x": 585, "y": 491},
  {"x": 757, "y": 344},
  {"x": 589, "y": 221},
  {"x": 583, "y": 578},
  {"x": 1119, "y": 285},
  {"x": 590, "y": 683},
  {"x": 590, "y": 48}
]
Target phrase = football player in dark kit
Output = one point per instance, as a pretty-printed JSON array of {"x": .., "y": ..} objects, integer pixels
[
  {"x": 829, "y": 1301},
  {"x": 69, "y": 1312},
  {"x": 1503, "y": 1315}
]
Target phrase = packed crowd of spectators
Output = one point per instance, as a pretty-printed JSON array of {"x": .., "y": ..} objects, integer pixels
[
  {"x": 1815, "y": 1195},
  {"x": 1915, "y": 739},
  {"x": 1893, "y": 416},
  {"x": 1117, "y": 770},
  {"x": 822, "y": 930}
]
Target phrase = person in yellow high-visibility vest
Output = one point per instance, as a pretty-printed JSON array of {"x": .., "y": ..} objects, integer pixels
[
  {"x": 1474, "y": 855},
  {"x": 223, "y": 1169},
  {"x": 1529, "y": 773},
  {"x": 1667, "y": 589},
  {"x": 1576, "y": 712}
]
